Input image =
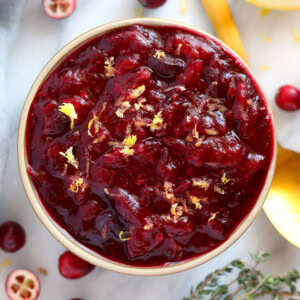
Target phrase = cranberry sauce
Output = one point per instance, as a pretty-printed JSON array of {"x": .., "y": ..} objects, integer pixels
[{"x": 149, "y": 145}]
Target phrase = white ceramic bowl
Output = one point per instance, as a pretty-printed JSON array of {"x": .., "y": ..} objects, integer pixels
[{"x": 65, "y": 238}]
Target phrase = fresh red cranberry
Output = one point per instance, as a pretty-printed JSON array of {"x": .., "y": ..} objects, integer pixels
[
  {"x": 59, "y": 9},
  {"x": 12, "y": 237},
  {"x": 72, "y": 267},
  {"x": 288, "y": 98},
  {"x": 22, "y": 285},
  {"x": 152, "y": 3}
]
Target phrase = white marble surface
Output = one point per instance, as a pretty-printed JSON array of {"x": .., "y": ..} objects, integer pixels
[{"x": 38, "y": 38}]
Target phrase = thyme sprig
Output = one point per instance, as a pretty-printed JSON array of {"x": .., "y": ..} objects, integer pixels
[{"x": 250, "y": 283}]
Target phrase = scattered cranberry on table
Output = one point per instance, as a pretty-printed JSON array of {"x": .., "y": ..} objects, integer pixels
[
  {"x": 72, "y": 267},
  {"x": 152, "y": 3},
  {"x": 59, "y": 9},
  {"x": 22, "y": 285},
  {"x": 12, "y": 237},
  {"x": 288, "y": 98}
]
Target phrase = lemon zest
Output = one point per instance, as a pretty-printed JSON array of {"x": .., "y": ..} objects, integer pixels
[
  {"x": 70, "y": 157},
  {"x": 140, "y": 103},
  {"x": 195, "y": 132},
  {"x": 137, "y": 92},
  {"x": 176, "y": 210},
  {"x": 219, "y": 190},
  {"x": 157, "y": 122},
  {"x": 178, "y": 50},
  {"x": 213, "y": 216},
  {"x": 195, "y": 200},
  {"x": 211, "y": 131},
  {"x": 123, "y": 238},
  {"x": 158, "y": 54},
  {"x": 108, "y": 66},
  {"x": 90, "y": 124},
  {"x": 128, "y": 142},
  {"x": 168, "y": 190},
  {"x": 74, "y": 187},
  {"x": 122, "y": 109},
  {"x": 69, "y": 110},
  {"x": 225, "y": 179},
  {"x": 200, "y": 182}
]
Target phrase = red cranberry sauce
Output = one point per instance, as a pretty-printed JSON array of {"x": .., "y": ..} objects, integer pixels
[{"x": 149, "y": 145}]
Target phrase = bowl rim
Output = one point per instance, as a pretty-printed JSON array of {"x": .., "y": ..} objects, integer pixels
[{"x": 59, "y": 234}]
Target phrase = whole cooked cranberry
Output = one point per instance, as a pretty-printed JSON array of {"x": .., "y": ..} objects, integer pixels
[
  {"x": 288, "y": 98},
  {"x": 166, "y": 66},
  {"x": 152, "y": 3},
  {"x": 72, "y": 267},
  {"x": 12, "y": 237}
]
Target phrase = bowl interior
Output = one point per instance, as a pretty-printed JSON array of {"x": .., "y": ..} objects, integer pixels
[{"x": 62, "y": 235}]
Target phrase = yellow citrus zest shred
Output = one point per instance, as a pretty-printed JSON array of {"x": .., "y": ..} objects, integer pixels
[
  {"x": 158, "y": 54},
  {"x": 157, "y": 122},
  {"x": 176, "y": 210},
  {"x": 76, "y": 184},
  {"x": 211, "y": 131},
  {"x": 108, "y": 66},
  {"x": 213, "y": 216},
  {"x": 225, "y": 179},
  {"x": 199, "y": 141},
  {"x": 200, "y": 182},
  {"x": 195, "y": 200},
  {"x": 128, "y": 142},
  {"x": 90, "y": 124},
  {"x": 178, "y": 50},
  {"x": 122, "y": 109},
  {"x": 140, "y": 104},
  {"x": 217, "y": 189},
  {"x": 137, "y": 92},
  {"x": 149, "y": 225},
  {"x": 69, "y": 110},
  {"x": 70, "y": 157},
  {"x": 122, "y": 237},
  {"x": 195, "y": 132}
]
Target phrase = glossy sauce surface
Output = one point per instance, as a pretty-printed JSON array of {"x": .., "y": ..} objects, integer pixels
[{"x": 149, "y": 145}]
